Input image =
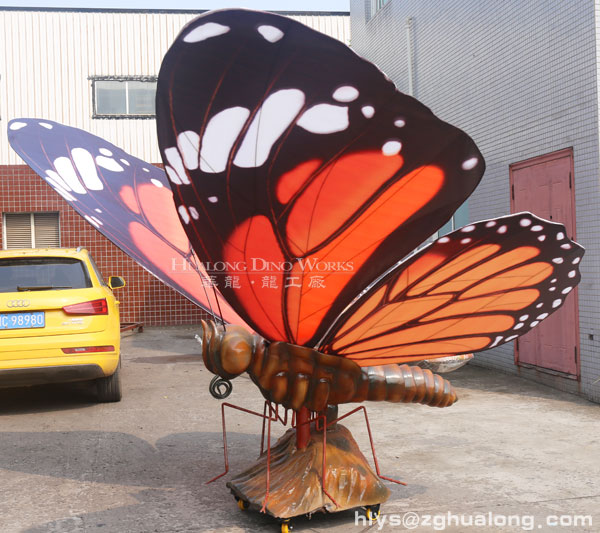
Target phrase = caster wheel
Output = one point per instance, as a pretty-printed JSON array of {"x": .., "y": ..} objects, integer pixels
[
  {"x": 242, "y": 504},
  {"x": 285, "y": 527},
  {"x": 373, "y": 512}
]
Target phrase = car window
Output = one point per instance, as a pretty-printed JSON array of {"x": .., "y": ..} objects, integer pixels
[{"x": 42, "y": 273}]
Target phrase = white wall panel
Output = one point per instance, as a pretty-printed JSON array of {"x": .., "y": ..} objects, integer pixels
[
  {"x": 521, "y": 77},
  {"x": 47, "y": 57}
]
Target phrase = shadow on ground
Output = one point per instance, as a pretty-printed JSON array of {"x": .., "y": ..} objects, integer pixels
[{"x": 170, "y": 475}]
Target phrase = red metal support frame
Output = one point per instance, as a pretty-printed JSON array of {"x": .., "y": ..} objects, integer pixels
[
  {"x": 364, "y": 409},
  {"x": 302, "y": 428},
  {"x": 223, "y": 405}
]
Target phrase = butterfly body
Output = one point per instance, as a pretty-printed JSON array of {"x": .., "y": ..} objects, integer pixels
[{"x": 296, "y": 376}]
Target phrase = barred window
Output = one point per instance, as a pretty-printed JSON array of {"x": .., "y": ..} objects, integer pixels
[{"x": 30, "y": 230}]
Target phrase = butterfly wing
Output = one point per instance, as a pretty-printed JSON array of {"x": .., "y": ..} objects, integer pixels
[
  {"x": 299, "y": 171},
  {"x": 481, "y": 286},
  {"x": 127, "y": 200}
]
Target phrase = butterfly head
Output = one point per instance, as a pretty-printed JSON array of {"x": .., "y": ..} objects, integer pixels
[{"x": 227, "y": 351}]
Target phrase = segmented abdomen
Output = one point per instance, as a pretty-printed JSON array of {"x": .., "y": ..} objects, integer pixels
[{"x": 295, "y": 377}]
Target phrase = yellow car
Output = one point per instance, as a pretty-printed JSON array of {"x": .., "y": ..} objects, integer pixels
[{"x": 59, "y": 320}]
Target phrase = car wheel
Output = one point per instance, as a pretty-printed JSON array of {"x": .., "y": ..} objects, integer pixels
[{"x": 108, "y": 389}]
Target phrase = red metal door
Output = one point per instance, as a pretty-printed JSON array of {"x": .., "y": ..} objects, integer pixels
[{"x": 544, "y": 186}]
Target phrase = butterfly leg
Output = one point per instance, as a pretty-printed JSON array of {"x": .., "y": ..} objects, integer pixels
[
  {"x": 269, "y": 419},
  {"x": 363, "y": 408},
  {"x": 244, "y": 410}
]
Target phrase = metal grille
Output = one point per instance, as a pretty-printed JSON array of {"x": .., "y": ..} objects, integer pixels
[
  {"x": 45, "y": 230},
  {"x": 31, "y": 230}
]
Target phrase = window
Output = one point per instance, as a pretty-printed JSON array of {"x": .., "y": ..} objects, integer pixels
[
  {"x": 42, "y": 273},
  {"x": 124, "y": 97},
  {"x": 459, "y": 219},
  {"x": 30, "y": 230},
  {"x": 373, "y": 6}
]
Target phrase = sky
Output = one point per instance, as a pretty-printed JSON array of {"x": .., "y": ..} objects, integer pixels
[{"x": 273, "y": 5}]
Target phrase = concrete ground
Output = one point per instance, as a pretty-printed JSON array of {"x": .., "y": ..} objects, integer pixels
[{"x": 509, "y": 452}]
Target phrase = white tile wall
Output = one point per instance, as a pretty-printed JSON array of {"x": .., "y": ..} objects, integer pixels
[{"x": 521, "y": 77}]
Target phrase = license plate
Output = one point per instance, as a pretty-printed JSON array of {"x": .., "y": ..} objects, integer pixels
[{"x": 36, "y": 319}]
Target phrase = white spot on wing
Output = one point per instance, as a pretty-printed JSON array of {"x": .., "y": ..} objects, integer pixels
[
  {"x": 519, "y": 325},
  {"x": 542, "y": 238},
  {"x": 108, "y": 163},
  {"x": 220, "y": 134},
  {"x": 511, "y": 338},
  {"x": 537, "y": 227},
  {"x": 558, "y": 260},
  {"x": 46, "y": 125},
  {"x": 391, "y": 147},
  {"x": 157, "y": 183},
  {"x": 525, "y": 222},
  {"x": 65, "y": 168},
  {"x": 523, "y": 318},
  {"x": 172, "y": 175},
  {"x": 194, "y": 213},
  {"x": 275, "y": 115},
  {"x": 565, "y": 246},
  {"x": 174, "y": 159},
  {"x": 87, "y": 169},
  {"x": 185, "y": 216},
  {"x": 68, "y": 197},
  {"x": 324, "y": 118},
  {"x": 92, "y": 221},
  {"x": 98, "y": 210},
  {"x": 556, "y": 303},
  {"x": 270, "y": 33},
  {"x": 188, "y": 143},
  {"x": 105, "y": 151},
  {"x": 55, "y": 177},
  {"x": 496, "y": 341},
  {"x": 399, "y": 123},
  {"x": 468, "y": 229},
  {"x": 124, "y": 161},
  {"x": 490, "y": 224},
  {"x": 17, "y": 125},
  {"x": 466, "y": 240},
  {"x": 534, "y": 324},
  {"x": 146, "y": 169},
  {"x": 502, "y": 229},
  {"x": 560, "y": 236},
  {"x": 444, "y": 240},
  {"x": 542, "y": 316},
  {"x": 213, "y": 199},
  {"x": 345, "y": 94},
  {"x": 566, "y": 290},
  {"x": 368, "y": 111},
  {"x": 470, "y": 164},
  {"x": 576, "y": 260},
  {"x": 206, "y": 31},
  {"x": 572, "y": 274}
]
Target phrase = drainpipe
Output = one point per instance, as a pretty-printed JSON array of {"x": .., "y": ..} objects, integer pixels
[{"x": 409, "y": 55}]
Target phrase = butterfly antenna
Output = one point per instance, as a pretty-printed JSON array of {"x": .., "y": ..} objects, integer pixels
[
  {"x": 194, "y": 263},
  {"x": 218, "y": 306}
]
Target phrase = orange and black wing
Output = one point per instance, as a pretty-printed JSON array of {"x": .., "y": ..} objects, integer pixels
[
  {"x": 300, "y": 173},
  {"x": 126, "y": 199},
  {"x": 476, "y": 288}
]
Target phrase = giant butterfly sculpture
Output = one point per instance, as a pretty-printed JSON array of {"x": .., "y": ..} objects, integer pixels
[{"x": 302, "y": 178}]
